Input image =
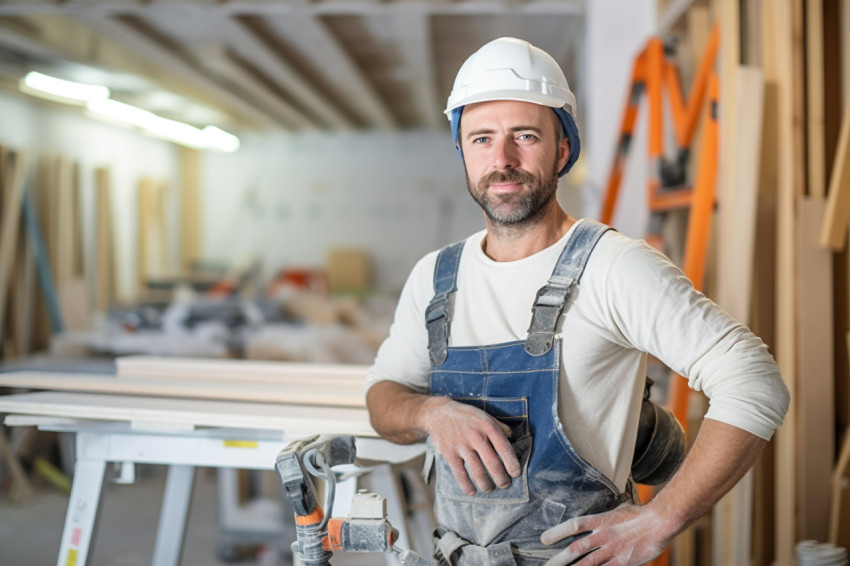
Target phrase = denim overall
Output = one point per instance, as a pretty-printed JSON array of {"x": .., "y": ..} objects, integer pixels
[{"x": 517, "y": 383}]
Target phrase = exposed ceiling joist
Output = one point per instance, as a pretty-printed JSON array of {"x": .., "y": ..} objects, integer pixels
[
  {"x": 344, "y": 73},
  {"x": 221, "y": 63},
  {"x": 316, "y": 9},
  {"x": 327, "y": 64},
  {"x": 219, "y": 28},
  {"x": 288, "y": 80},
  {"x": 166, "y": 59},
  {"x": 414, "y": 33}
]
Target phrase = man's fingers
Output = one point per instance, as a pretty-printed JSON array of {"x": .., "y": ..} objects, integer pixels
[
  {"x": 477, "y": 472},
  {"x": 569, "y": 556},
  {"x": 461, "y": 477},
  {"x": 505, "y": 450},
  {"x": 560, "y": 532},
  {"x": 494, "y": 466}
]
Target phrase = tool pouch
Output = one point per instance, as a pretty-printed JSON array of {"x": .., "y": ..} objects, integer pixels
[{"x": 660, "y": 444}]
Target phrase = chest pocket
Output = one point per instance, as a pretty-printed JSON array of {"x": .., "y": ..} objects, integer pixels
[{"x": 512, "y": 411}]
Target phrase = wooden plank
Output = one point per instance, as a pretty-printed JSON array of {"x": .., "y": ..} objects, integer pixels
[
  {"x": 737, "y": 207},
  {"x": 815, "y": 99},
  {"x": 9, "y": 230},
  {"x": 242, "y": 370},
  {"x": 778, "y": 66},
  {"x": 163, "y": 265},
  {"x": 302, "y": 393},
  {"x": 144, "y": 219},
  {"x": 845, "y": 51},
  {"x": 834, "y": 231},
  {"x": 798, "y": 82},
  {"x": 732, "y": 518},
  {"x": 24, "y": 296},
  {"x": 816, "y": 412},
  {"x": 837, "y": 526},
  {"x": 105, "y": 240},
  {"x": 190, "y": 208},
  {"x": 193, "y": 412},
  {"x": 751, "y": 34},
  {"x": 64, "y": 242}
]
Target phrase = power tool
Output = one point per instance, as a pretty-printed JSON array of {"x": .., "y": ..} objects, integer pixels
[{"x": 319, "y": 536}]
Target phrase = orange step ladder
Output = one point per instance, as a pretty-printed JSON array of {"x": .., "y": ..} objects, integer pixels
[{"x": 653, "y": 73}]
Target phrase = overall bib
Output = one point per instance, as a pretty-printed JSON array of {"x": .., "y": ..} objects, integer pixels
[{"x": 517, "y": 383}]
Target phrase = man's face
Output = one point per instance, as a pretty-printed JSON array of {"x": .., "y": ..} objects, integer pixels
[{"x": 512, "y": 158}]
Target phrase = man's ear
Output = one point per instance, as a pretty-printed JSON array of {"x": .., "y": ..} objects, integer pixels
[{"x": 563, "y": 152}]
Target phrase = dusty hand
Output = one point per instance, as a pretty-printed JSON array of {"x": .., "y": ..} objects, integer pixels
[
  {"x": 462, "y": 434},
  {"x": 627, "y": 536}
]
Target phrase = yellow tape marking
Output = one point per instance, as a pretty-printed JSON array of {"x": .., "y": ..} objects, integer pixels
[{"x": 241, "y": 444}]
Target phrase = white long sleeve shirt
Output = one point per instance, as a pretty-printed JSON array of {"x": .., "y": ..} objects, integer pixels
[{"x": 631, "y": 300}]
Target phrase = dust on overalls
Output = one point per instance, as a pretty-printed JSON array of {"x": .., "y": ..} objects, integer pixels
[{"x": 516, "y": 383}]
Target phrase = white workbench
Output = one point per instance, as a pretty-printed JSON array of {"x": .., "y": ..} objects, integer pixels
[{"x": 181, "y": 433}]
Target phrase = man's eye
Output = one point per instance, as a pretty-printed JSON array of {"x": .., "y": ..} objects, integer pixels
[
  {"x": 526, "y": 136},
  {"x": 480, "y": 140}
]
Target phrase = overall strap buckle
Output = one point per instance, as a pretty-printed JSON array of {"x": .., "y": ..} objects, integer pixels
[
  {"x": 552, "y": 297},
  {"x": 437, "y": 314}
]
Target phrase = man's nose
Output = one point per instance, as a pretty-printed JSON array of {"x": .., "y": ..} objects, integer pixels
[{"x": 505, "y": 155}]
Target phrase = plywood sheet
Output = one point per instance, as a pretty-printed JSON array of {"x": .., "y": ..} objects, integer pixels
[
  {"x": 304, "y": 393},
  {"x": 191, "y": 412}
]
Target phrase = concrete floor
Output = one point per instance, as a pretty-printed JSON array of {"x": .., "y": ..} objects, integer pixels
[{"x": 30, "y": 531}]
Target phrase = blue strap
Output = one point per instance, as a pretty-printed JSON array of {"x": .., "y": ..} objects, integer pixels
[
  {"x": 552, "y": 297},
  {"x": 437, "y": 313}
]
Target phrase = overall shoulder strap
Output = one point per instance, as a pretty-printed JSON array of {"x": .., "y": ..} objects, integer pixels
[
  {"x": 437, "y": 313},
  {"x": 552, "y": 297}
]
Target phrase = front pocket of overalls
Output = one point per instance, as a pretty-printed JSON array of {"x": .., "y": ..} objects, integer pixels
[{"x": 513, "y": 411}]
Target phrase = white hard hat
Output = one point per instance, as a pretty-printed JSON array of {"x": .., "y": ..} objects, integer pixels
[{"x": 511, "y": 69}]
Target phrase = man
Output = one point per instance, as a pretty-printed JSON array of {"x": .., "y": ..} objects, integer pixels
[{"x": 533, "y": 414}]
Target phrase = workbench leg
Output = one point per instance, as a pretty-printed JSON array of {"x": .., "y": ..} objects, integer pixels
[
  {"x": 173, "y": 516},
  {"x": 83, "y": 509}
]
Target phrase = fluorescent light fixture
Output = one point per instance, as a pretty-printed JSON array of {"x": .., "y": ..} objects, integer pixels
[
  {"x": 120, "y": 112},
  {"x": 60, "y": 90},
  {"x": 171, "y": 130},
  {"x": 216, "y": 138}
]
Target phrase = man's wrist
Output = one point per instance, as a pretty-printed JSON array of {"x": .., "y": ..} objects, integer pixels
[{"x": 427, "y": 413}]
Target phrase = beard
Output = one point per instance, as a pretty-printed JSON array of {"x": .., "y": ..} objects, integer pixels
[{"x": 516, "y": 208}]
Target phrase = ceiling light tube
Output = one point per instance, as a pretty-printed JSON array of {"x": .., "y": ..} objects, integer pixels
[
  {"x": 60, "y": 90},
  {"x": 120, "y": 112},
  {"x": 218, "y": 139},
  {"x": 164, "y": 128}
]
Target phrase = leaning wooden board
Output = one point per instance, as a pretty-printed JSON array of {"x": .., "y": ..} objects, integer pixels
[
  {"x": 163, "y": 412},
  {"x": 305, "y": 392}
]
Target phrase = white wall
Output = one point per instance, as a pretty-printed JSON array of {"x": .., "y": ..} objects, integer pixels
[
  {"x": 616, "y": 32},
  {"x": 287, "y": 198}
]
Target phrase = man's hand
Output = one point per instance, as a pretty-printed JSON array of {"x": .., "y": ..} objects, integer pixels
[
  {"x": 626, "y": 536},
  {"x": 463, "y": 434}
]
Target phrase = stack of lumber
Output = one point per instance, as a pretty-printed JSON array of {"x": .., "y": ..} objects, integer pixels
[
  {"x": 179, "y": 392},
  {"x": 780, "y": 261}
]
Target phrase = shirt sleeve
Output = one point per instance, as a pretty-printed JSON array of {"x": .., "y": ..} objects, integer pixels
[
  {"x": 403, "y": 356},
  {"x": 656, "y": 309}
]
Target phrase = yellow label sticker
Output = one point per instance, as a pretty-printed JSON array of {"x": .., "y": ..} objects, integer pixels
[
  {"x": 72, "y": 558},
  {"x": 241, "y": 443}
]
